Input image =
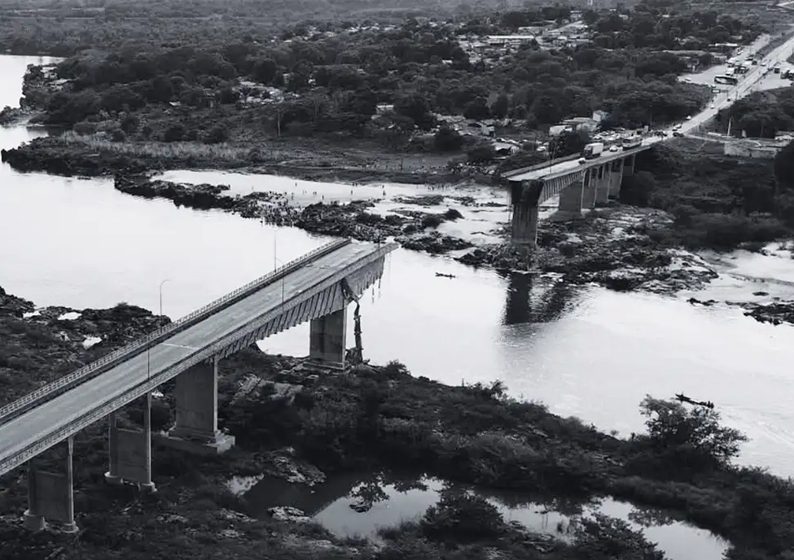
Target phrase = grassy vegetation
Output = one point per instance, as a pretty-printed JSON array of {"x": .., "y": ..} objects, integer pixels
[
  {"x": 718, "y": 201},
  {"x": 382, "y": 417}
]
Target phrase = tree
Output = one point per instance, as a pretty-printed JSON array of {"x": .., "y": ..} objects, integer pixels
[
  {"x": 784, "y": 166},
  {"x": 693, "y": 432},
  {"x": 416, "y": 108},
  {"x": 569, "y": 142},
  {"x": 265, "y": 70},
  {"x": 217, "y": 134},
  {"x": 477, "y": 109},
  {"x": 174, "y": 133},
  {"x": 500, "y": 106},
  {"x": 447, "y": 139}
]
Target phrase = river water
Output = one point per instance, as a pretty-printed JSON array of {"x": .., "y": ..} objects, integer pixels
[{"x": 587, "y": 352}]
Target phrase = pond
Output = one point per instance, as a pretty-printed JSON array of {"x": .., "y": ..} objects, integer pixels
[{"x": 362, "y": 505}]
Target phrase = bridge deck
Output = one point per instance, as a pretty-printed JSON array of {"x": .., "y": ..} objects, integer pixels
[
  {"x": 52, "y": 416},
  {"x": 572, "y": 166}
]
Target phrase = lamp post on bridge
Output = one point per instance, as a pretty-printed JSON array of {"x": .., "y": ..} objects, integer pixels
[{"x": 161, "y": 294}]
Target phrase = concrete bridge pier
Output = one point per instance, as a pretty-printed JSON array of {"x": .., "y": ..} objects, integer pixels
[
  {"x": 327, "y": 337},
  {"x": 131, "y": 451},
  {"x": 524, "y": 197},
  {"x": 602, "y": 185},
  {"x": 589, "y": 188},
  {"x": 50, "y": 496},
  {"x": 628, "y": 165},
  {"x": 570, "y": 205},
  {"x": 196, "y": 426},
  {"x": 615, "y": 178}
]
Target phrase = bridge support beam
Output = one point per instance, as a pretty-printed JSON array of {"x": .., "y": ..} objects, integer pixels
[
  {"x": 571, "y": 200},
  {"x": 131, "y": 451},
  {"x": 196, "y": 427},
  {"x": 327, "y": 336},
  {"x": 525, "y": 226},
  {"x": 628, "y": 165},
  {"x": 615, "y": 178},
  {"x": 602, "y": 185},
  {"x": 589, "y": 189},
  {"x": 50, "y": 496}
]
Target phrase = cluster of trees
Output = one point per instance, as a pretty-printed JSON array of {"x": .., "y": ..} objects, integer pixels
[
  {"x": 337, "y": 75},
  {"x": 717, "y": 201},
  {"x": 649, "y": 26},
  {"x": 761, "y": 114}
]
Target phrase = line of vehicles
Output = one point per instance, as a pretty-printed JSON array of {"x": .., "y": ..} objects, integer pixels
[{"x": 595, "y": 149}]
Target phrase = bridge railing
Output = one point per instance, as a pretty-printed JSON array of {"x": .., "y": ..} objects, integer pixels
[
  {"x": 62, "y": 384},
  {"x": 91, "y": 415}
]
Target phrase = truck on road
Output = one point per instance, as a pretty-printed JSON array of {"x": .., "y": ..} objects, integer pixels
[{"x": 593, "y": 150}]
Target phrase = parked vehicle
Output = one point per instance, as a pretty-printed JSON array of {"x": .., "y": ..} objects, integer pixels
[
  {"x": 593, "y": 150},
  {"x": 631, "y": 142}
]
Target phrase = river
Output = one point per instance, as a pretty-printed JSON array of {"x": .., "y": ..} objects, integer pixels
[{"x": 587, "y": 352}]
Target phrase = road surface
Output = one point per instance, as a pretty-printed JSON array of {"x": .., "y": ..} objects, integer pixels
[{"x": 37, "y": 423}]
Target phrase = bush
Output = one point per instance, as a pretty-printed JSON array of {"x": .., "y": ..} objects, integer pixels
[
  {"x": 432, "y": 220},
  {"x": 481, "y": 154},
  {"x": 447, "y": 140},
  {"x": 174, "y": 133},
  {"x": 216, "y": 135},
  {"x": 694, "y": 432},
  {"x": 461, "y": 516},
  {"x": 607, "y": 538}
]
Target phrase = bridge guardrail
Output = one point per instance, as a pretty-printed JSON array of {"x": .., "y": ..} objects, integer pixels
[
  {"x": 91, "y": 416},
  {"x": 96, "y": 367}
]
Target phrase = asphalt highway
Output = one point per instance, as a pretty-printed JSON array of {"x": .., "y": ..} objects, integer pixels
[{"x": 37, "y": 423}]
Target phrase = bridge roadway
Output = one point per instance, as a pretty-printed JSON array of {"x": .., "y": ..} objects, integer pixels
[{"x": 52, "y": 421}]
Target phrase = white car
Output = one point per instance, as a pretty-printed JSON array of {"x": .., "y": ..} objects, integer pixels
[
  {"x": 713, "y": 106},
  {"x": 614, "y": 148}
]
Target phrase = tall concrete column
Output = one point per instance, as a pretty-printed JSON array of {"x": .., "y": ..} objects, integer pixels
[
  {"x": 327, "y": 337},
  {"x": 628, "y": 165},
  {"x": 525, "y": 226},
  {"x": 571, "y": 199},
  {"x": 524, "y": 198},
  {"x": 50, "y": 496},
  {"x": 616, "y": 178},
  {"x": 602, "y": 185},
  {"x": 131, "y": 451},
  {"x": 196, "y": 426},
  {"x": 589, "y": 189}
]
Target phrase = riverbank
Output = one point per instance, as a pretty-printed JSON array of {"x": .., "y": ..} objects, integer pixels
[
  {"x": 294, "y": 425},
  {"x": 315, "y": 159}
]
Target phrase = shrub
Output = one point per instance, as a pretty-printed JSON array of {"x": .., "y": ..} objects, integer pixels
[
  {"x": 462, "y": 516},
  {"x": 174, "y": 133},
  {"x": 694, "y": 432},
  {"x": 432, "y": 220},
  {"x": 447, "y": 140},
  {"x": 216, "y": 135},
  {"x": 452, "y": 214}
]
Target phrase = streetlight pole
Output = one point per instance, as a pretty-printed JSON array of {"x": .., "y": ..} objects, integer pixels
[{"x": 161, "y": 294}]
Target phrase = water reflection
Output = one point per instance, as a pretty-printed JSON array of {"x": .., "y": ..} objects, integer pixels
[
  {"x": 535, "y": 299},
  {"x": 361, "y": 505}
]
